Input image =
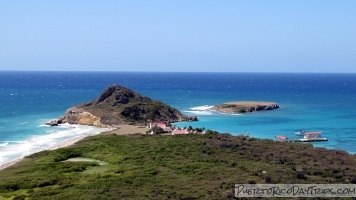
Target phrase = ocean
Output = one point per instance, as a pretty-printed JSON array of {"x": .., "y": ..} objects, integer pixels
[{"x": 311, "y": 102}]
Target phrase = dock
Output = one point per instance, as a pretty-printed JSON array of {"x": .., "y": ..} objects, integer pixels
[{"x": 308, "y": 140}]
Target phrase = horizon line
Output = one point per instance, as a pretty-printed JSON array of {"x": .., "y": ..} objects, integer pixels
[{"x": 103, "y": 71}]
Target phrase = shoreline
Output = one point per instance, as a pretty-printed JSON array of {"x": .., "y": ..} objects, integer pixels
[
  {"x": 124, "y": 129},
  {"x": 65, "y": 143}
]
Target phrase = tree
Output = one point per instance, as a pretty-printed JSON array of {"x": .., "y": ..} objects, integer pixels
[{"x": 157, "y": 130}]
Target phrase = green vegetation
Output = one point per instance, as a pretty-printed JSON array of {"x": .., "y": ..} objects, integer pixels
[
  {"x": 150, "y": 110},
  {"x": 177, "y": 167}
]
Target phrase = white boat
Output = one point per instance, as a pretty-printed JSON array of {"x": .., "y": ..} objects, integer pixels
[{"x": 300, "y": 133}]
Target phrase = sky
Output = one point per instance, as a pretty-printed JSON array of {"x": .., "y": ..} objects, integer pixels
[{"x": 179, "y": 36}]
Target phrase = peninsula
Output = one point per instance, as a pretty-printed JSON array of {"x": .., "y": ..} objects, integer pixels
[
  {"x": 244, "y": 106},
  {"x": 118, "y": 105}
]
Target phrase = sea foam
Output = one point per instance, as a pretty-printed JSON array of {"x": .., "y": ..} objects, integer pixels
[
  {"x": 4, "y": 144},
  {"x": 206, "y": 110},
  {"x": 60, "y": 136},
  {"x": 201, "y": 110}
]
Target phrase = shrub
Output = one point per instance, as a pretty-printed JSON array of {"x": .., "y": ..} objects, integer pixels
[
  {"x": 20, "y": 197},
  {"x": 300, "y": 175},
  {"x": 268, "y": 179}
]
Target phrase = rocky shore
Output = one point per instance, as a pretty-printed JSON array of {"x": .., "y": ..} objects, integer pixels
[{"x": 244, "y": 107}]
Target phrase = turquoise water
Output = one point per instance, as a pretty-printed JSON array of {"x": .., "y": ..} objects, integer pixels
[{"x": 312, "y": 102}]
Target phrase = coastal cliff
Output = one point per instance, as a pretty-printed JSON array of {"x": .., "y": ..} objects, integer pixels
[
  {"x": 244, "y": 107},
  {"x": 120, "y": 105}
]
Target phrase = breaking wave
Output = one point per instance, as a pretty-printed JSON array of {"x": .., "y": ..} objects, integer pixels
[
  {"x": 4, "y": 144},
  {"x": 201, "y": 110},
  {"x": 61, "y": 136}
]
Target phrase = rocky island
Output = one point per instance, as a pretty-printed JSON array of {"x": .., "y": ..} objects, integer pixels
[
  {"x": 119, "y": 105},
  {"x": 244, "y": 106}
]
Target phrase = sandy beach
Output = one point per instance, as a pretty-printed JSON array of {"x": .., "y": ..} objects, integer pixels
[{"x": 122, "y": 130}]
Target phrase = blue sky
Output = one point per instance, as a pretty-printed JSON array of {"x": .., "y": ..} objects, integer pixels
[{"x": 186, "y": 35}]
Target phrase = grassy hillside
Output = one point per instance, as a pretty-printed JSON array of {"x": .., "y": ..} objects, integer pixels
[{"x": 177, "y": 167}]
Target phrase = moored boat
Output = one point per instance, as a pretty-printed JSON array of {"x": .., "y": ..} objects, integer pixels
[
  {"x": 300, "y": 133},
  {"x": 312, "y": 137}
]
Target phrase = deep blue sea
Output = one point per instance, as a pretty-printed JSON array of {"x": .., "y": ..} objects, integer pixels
[{"x": 312, "y": 102}]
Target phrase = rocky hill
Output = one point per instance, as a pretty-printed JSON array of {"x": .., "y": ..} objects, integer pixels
[
  {"x": 245, "y": 106},
  {"x": 117, "y": 105}
]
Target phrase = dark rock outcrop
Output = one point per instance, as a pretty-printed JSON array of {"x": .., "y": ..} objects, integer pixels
[
  {"x": 190, "y": 118},
  {"x": 53, "y": 123},
  {"x": 117, "y": 105}
]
